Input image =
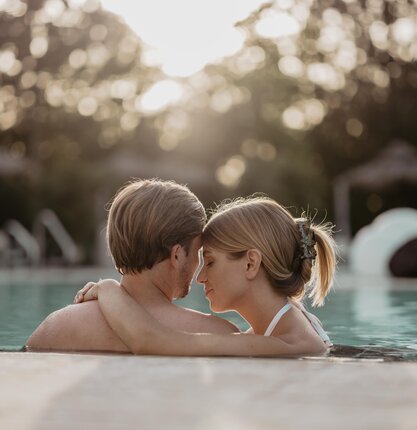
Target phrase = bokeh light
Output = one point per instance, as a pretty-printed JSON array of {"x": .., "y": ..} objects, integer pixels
[
  {"x": 202, "y": 32},
  {"x": 254, "y": 95}
]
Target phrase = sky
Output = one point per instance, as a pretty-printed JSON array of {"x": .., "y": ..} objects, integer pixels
[{"x": 185, "y": 35}]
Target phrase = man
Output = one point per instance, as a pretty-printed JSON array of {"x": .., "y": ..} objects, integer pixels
[{"x": 154, "y": 234}]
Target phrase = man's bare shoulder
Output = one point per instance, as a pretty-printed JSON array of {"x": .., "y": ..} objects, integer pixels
[
  {"x": 76, "y": 327},
  {"x": 199, "y": 322}
]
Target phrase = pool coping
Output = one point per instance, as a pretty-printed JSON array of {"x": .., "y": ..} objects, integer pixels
[{"x": 54, "y": 390}]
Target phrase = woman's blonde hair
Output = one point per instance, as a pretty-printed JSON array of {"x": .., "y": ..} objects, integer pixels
[{"x": 295, "y": 252}]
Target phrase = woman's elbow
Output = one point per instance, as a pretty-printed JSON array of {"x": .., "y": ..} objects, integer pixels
[
  {"x": 138, "y": 346},
  {"x": 318, "y": 349},
  {"x": 137, "y": 351},
  {"x": 143, "y": 344}
]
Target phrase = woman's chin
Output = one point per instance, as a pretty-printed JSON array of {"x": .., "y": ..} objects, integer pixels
[
  {"x": 216, "y": 308},
  {"x": 212, "y": 307}
]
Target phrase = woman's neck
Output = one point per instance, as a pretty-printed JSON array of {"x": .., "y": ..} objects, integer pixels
[{"x": 260, "y": 305}]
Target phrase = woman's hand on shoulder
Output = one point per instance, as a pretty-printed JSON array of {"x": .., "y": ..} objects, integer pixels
[{"x": 90, "y": 290}]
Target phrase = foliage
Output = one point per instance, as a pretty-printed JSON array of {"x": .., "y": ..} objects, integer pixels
[{"x": 319, "y": 87}]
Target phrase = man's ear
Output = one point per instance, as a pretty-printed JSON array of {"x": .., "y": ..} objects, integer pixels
[
  {"x": 253, "y": 263},
  {"x": 176, "y": 253}
]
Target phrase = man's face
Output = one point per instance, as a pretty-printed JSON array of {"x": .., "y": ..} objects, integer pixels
[{"x": 189, "y": 268}]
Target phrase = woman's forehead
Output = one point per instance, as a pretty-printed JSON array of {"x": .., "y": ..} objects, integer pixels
[
  {"x": 209, "y": 251},
  {"x": 206, "y": 251}
]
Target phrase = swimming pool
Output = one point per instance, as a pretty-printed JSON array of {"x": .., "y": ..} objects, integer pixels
[{"x": 378, "y": 316}]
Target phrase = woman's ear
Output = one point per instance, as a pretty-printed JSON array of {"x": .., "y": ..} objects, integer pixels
[{"x": 253, "y": 263}]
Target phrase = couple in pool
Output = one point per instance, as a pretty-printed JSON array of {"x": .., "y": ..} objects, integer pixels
[{"x": 258, "y": 261}]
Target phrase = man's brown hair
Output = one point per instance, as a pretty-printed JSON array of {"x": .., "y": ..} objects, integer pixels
[{"x": 147, "y": 218}]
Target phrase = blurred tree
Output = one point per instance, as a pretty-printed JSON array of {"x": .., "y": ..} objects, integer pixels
[
  {"x": 319, "y": 87},
  {"x": 70, "y": 73}
]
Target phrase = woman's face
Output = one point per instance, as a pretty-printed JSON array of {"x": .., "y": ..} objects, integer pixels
[{"x": 223, "y": 278}]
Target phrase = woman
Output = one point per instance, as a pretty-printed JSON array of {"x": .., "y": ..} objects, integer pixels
[{"x": 258, "y": 261}]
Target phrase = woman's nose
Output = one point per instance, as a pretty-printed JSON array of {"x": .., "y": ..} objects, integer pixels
[{"x": 201, "y": 277}]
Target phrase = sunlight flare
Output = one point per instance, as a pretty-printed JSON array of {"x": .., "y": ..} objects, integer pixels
[{"x": 183, "y": 36}]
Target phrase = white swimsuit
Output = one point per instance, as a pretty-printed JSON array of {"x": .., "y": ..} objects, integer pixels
[{"x": 315, "y": 322}]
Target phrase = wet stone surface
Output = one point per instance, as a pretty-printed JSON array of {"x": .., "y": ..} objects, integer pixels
[{"x": 372, "y": 352}]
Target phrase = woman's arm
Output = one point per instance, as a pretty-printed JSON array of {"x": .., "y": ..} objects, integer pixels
[{"x": 143, "y": 334}]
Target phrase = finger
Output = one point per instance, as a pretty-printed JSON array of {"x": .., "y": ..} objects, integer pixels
[
  {"x": 87, "y": 286},
  {"x": 90, "y": 295},
  {"x": 87, "y": 297},
  {"x": 84, "y": 290},
  {"x": 79, "y": 297},
  {"x": 79, "y": 294}
]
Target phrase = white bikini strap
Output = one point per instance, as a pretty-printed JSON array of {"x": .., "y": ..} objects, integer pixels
[
  {"x": 315, "y": 322},
  {"x": 276, "y": 319}
]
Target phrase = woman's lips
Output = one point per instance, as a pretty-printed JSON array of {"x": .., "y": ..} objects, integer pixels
[{"x": 207, "y": 291}]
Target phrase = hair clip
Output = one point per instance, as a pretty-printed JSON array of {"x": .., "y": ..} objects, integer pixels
[{"x": 308, "y": 241}]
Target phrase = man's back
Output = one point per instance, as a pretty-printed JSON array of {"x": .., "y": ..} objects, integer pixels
[{"x": 82, "y": 327}]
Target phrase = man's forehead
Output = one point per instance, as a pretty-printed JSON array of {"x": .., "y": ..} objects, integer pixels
[{"x": 199, "y": 241}]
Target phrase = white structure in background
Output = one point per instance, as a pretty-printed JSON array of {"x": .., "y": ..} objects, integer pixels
[
  {"x": 47, "y": 221},
  {"x": 18, "y": 246},
  {"x": 27, "y": 247},
  {"x": 374, "y": 245},
  {"x": 394, "y": 164}
]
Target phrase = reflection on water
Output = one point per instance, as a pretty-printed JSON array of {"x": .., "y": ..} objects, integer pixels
[
  {"x": 375, "y": 320},
  {"x": 24, "y": 305}
]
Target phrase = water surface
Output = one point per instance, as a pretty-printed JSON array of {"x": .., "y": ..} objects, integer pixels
[{"x": 368, "y": 318}]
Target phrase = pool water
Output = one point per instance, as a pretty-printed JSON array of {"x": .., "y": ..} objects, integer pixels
[{"x": 370, "y": 319}]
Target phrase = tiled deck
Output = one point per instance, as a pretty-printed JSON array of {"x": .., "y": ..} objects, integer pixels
[{"x": 45, "y": 391}]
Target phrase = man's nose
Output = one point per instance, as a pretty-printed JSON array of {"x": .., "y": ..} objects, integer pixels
[{"x": 201, "y": 277}]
